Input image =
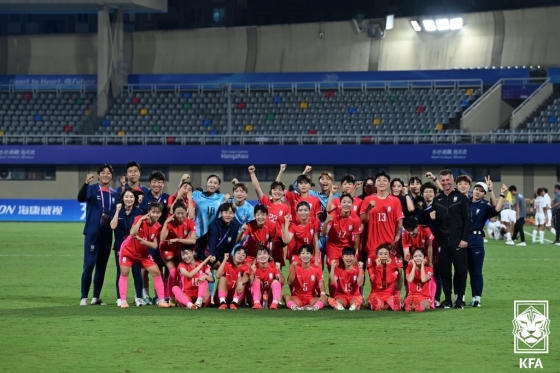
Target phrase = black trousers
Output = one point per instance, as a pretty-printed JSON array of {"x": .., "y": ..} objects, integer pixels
[
  {"x": 557, "y": 225},
  {"x": 518, "y": 229},
  {"x": 449, "y": 255}
]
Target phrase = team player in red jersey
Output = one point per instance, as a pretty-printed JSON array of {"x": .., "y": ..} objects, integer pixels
[
  {"x": 302, "y": 231},
  {"x": 193, "y": 280},
  {"x": 419, "y": 276},
  {"x": 143, "y": 235},
  {"x": 293, "y": 199},
  {"x": 184, "y": 193},
  {"x": 349, "y": 186},
  {"x": 346, "y": 282},
  {"x": 177, "y": 231},
  {"x": 382, "y": 277},
  {"x": 277, "y": 209},
  {"x": 232, "y": 277},
  {"x": 415, "y": 236},
  {"x": 342, "y": 229},
  {"x": 303, "y": 280},
  {"x": 266, "y": 280},
  {"x": 257, "y": 232}
]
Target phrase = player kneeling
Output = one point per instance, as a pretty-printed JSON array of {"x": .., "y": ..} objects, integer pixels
[
  {"x": 266, "y": 280},
  {"x": 418, "y": 275},
  {"x": 232, "y": 276},
  {"x": 382, "y": 277},
  {"x": 194, "y": 278},
  {"x": 303, "y": 280},
  {"x": 346, "y": 282}
]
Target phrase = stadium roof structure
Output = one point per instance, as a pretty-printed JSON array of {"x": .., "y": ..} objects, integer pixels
[{"x": 80, "y": 6}]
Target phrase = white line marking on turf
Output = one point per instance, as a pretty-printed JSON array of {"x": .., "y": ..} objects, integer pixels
[{"x": 531, "y": 235}]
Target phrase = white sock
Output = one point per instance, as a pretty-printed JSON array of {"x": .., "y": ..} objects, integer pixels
[
  {"x": 222, "y": 300},
  {"x": 189, "y": 305},
  {"x": 553, "y": 231},
  {"x": 534, "y": 236},
  {"x": 541, "y": 236},
  {"x": 508, "y": 236},
  {"x": 145, "y": 293},
  {"x": 198, "y": 300},
  {"x": 477, "y": 299}
]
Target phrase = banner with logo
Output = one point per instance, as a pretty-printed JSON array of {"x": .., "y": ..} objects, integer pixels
[{"x": 53, "y": 210}]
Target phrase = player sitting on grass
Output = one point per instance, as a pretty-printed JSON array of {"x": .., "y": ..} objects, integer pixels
[
  {"x": 143, "y": 236},
  {"x": 303, "y": 280},
  {"x": 266, "y": 280},
  {"x": 382, "y": 277},
  {"x": 232, "y": 277},
  {"x": 346, "y": 282},
  {"x": 194, "y": 278},
  {"x": 418, "y": 275}
]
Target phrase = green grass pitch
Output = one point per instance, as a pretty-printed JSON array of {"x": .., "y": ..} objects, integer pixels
[{"x": 42, "y": 328}]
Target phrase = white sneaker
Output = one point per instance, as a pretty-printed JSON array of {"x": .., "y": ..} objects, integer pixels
[
  {"x": 140, "y": 302},
  {"x": 198, "y": 303},
  {"x": 521, "y": 244},
  {"x": 97, "y": 302},
  {"x": 119, "y": 302},
  {"x": 485, "y": 240},
  {"x": 83, "y": 302},
  {"x": 510, "y": 242},
  {"x": 436, "y": 303},
  {"x": 352, "y": 308},
  {"x": 557, "y": 243},
  {"x": 296, "y": 308}
]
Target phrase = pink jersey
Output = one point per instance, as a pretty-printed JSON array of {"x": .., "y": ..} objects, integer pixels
[
  {"x": 417, "y": 287},
  {"x": 293, "y": 198},
  {"x": 267, "y": 275},
  {"x": 180, "y": 231},
  {"x": 190, "y": 285},
  {"x": 422, "y": 239},
  {"x": 233, "y": 273},
  {"x": 347, "y": 281},
  {"x": 147, "y": 233},
  {"x": 382, "y": 279},
  {"x": 256, "y": 235},
  {"x": 383, "y": 218},
  {"x": 356, "y": 205},
  {"x": 172, "y": 199},
  {"x": 303, "y": 235},
  {"x": 275, "y": 211},
  {"x": 306, "y": 280},
  {"x": 343, "y": 230}
]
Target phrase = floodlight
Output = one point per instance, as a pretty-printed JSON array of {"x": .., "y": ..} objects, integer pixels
[
  {"x": 429, "y": 25},
  {"x": 389, "y": 21},
  {"x": 416, "y": 26},
  {"x": 442, "y": 24},
  {"x": 456, "y": 23}
]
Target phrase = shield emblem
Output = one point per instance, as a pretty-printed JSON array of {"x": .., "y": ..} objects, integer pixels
[
  {"x": 350, "y": 227},
  {"x": 389, "y": 209},
  {"x": 312, "y": 277}
]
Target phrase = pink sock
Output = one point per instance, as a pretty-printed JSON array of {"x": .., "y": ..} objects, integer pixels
[
  {"x": 276, "y": 291},
  {"x": 222, "y": 295},
  {"x": 171, "y": 281},
  {"x": 123, "y": 287},
  {"x": 432, "y": 288},
  {"x": 202, "y": 288},
  {"x": 256, "y": 291},
  {"x": 158, "y": 284},
  {"x": 290, "y": 304},
  {"x": 319, "y": 304},
  {"x": 236, "y": 297},
  {"x": 398, "y": 293},
  {"x": 180, "y": 296}
]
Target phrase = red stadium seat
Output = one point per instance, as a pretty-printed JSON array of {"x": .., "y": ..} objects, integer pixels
[
  {"x": 27, "y": 96},
  {"x": 135, "y": 101},
  {"x": 241, "y": 105},
  {"x": 171, "y": 140}
]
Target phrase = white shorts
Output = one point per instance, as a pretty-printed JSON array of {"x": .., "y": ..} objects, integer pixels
[
  {"x": 540, "y": 219},
  {"x": 508, "y": 216},
  {"x": 548, "y": 218}
]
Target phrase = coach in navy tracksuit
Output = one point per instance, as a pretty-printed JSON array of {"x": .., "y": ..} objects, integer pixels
[
  {"x": 100, "y": 199},
  {"x": 481, "y": 211}
]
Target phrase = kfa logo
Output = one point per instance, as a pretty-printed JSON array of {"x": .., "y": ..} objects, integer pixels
[
  {"x": 531, "y": 327},
  {"x": 530, "y": 363}
]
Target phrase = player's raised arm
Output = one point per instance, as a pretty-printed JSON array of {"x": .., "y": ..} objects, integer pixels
[
  {"x": 292, "y": 273},
  {"x": 256, "y": 183},
  {"x": 164, "y": 229},
  {"x": 82, "y": 194},
  {"x": 435, "y": 180},
  {"x": 220, "y": 271},
  {"x": 191, "y": 274},
  {"x": 115, "y": 221},
  {"x": 329, "y": 206},
  {"x": 282, "y": 169},
  {"x": 360, "y": 279},
  {"x": 500, "y": 203},
  {"x": 332, "y": 276},
  {"x": 242, "y": 233},
  {"x": 326, "y": 226},
  {"x": 286, "y": 235},
  {"x": 364, "y": 217}
]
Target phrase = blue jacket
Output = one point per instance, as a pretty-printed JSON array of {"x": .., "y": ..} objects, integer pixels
[
  {"x": 221, "y": 237},
  {"x": 96, "y": 203}
]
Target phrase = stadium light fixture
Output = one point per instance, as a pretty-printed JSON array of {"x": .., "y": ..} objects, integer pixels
[
  {"x": 429, "y": 25},
  {"x": 416, "y": 26},
  {"x": 456, "y": 23},
  {"x": 442, "y": 24}
]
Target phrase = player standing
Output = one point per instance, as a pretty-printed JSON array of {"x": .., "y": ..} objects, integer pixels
[
  {"x": 259, "y": 232},
  {"x": 303, "y": 230}
]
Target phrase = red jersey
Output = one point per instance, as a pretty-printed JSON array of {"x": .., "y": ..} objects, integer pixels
[
  {"x": 190, "y": 285},
  {"x": 382, "y": 279},
  {"x": 232, "y": 273},
  {"x": 264, "y": 235},
  {"x": 275, "y": 210},
  {"x": 267, "y": 275},
  {"x": 343, "y": 230},
  {"x": 306, "y": 281},
  {"x": 303, "y": 235},
  {"x": 383, "y": 220},
  {"x": 171, "y": 200},
  {"x": 175, "y": 230},
  {"x": 293, "y": 198},
  {"x": 146, "y": 232},
  {"x": 347, "y": 281},
  {"x": 416, "y": 287},
  {"x": 356, "y": 205},
  {"x": 421, "y": 240}
]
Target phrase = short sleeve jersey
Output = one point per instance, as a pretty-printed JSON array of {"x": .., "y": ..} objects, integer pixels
[
  {"x": 306, "y": 280},
  {"x": 347, "y": 281},
  {"x": 190, "y": 284},
  {"x": 206, "y": 210},
  {"x": 267, "y": 275},
  {"x": 356, "y": 205},
  {"x": 343, "y": 229},
  {"x": 539, "y": 205},
  {"x": 244, "y": 213},
  {"x": 256, "y": 235},
  {"x": 180, "y": 231},
  {"x": 383, "y": 220},
  {"x": 422, "y": 239},
  {"x": 417, "y": 287},
  {"x": 125, "y": 223},
  {"x": 292, "y": 198},
  {"x": 171, "y": 201},
  {"x": 275, "y": 211},
  {"x": 382, "y": 278},
  {"x": 146, "y": 232},
  {"x": 233, "y": 273},
  {"x": 303, "y": 235}
]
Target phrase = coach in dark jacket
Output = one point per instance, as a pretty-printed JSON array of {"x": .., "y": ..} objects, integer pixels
[{"x": 452, "y": 216}]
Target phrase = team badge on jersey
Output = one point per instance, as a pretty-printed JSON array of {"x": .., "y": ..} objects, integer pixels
[
  {"x": 270, "y": 276},
  {"x": 350, "y": 227},
  {"x": 312, "y": 231},
  {"x": 153, "y": 235},
  {"x": 355, "y": 278},
  {"x": 477, "y": 211},
  {"x": 312, "y": 277},
  {"x": 454, "y": 199},
  {"x": 389, "y": 209},
  {"x": 185, "y": 232},
  {"x": 280, "y": 213}
]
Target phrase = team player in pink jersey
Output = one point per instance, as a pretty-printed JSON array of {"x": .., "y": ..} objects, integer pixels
[
  {"x": 302, "y": 231},
  {"x": 382, "y": 276},
  {"x": 233, "y": 275},
  {"x": 177, "y": 230},
  {"x": 419, "y": 276},
  {"x": 346, "y": 281},
  {"x": 143, "y": 235},
  {"x": 193, "y": 280},
  {"x": 342, "y": 229},
  {"x": 303, "y": 280},
  {"x": 257, "y": 232},
  {"x": 266, "y": 280}
]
